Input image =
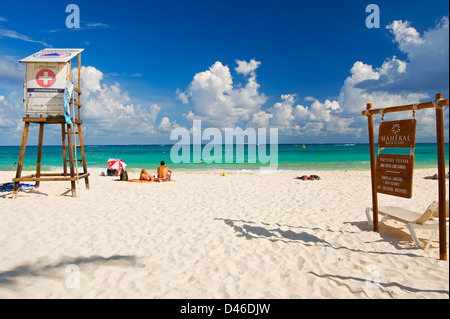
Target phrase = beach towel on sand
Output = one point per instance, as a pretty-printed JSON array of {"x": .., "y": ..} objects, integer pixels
[
  {"x": 142, "y": 181},
  {"x": 138, "y": 181},
  {"x": 8, "y": 187}
]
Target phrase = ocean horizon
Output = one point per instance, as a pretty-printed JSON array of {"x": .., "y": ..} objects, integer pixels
[{"x": 290, "y": 157}]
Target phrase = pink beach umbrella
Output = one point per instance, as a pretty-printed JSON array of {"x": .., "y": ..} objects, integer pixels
[{"x": 115, "y": 163}]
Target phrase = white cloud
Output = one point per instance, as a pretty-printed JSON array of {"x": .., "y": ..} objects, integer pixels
[
  {"x": 260, "y": 119},
  {"x": 319, "y": 118},
  {"x": 4, "y": 108},
  {"x": 428, "y": 59},
  {"x": 246, "y": 67},
  {"x": 11, "y": 71},
  {"x": 217, "y": 101},
  {"x": 97, "y": 25},
  {"x": 397, "y": 82},
  {"x": 124, "y": 74},
  {"x": 426, "y": 67},
  {"x": 182, "y": 96},
  {"x": 166, "y": 126},
  {"x": 404, "y": 34},
  {"x": 11, "y": 114},
  {"x": 214, "y": 97},
  {"x": 283, "y": 113},
  {"x": 15, "y": 35},
  {"x": 84, "y": 26},
  {"x": 111, "y": 109},
  {"x": 353, "y": 97}
]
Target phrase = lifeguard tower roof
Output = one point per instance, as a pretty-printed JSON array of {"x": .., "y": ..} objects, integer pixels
[{"x": 53, "y": 55}]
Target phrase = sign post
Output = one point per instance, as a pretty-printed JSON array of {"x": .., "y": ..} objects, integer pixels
[{"x": 392, "y": 173}]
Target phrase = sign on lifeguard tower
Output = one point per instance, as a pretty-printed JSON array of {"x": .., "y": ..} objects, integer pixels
[{"x": 45, "y": 80}]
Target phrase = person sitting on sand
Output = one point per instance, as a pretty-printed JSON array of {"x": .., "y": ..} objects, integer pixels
[
  {"x": 146, "y": 176},
  {"x": 164, "y": 173}
]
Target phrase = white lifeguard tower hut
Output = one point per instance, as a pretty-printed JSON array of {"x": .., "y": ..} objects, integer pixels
[{"x": 49, "y": 98}]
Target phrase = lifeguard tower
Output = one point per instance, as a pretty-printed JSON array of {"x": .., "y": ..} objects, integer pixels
[{"x": 49, "y": 98}]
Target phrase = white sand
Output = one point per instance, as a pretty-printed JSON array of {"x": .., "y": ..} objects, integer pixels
[{"x": 207, "y": 236}]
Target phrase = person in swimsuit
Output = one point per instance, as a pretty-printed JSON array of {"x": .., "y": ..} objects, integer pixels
[
  {"x": 146, "y": 176},
  {"x": 309, "y": 178},
  {"x": 164, "y": 173}
]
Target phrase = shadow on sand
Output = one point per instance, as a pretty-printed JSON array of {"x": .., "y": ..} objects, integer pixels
[
  {"x": 250, "y": 230},
  {"x": 9, "y": 277}
]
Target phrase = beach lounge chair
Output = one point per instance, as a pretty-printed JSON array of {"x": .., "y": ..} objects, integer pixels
[{"x": 426, "y": 220}]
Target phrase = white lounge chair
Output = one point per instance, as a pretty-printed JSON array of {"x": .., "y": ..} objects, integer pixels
[{"x": 426, "y": 220}]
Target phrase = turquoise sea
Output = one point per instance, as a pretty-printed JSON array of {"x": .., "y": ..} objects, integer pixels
[{"x": 311, "y": 157}]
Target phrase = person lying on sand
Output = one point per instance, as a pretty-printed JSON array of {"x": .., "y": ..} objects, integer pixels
[
  {"x": 164, "y": 173},
  {"x": 146, "y": 176},
  {"x": 435, "y": 176},
  {"x": 309, "y": 178}
]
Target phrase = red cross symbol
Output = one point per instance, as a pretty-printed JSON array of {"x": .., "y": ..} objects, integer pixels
[{"x": 45, "y": 78}]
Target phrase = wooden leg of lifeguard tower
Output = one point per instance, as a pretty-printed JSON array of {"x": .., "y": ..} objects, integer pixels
[
  {"x": 72, "y": 170},
  {"x": 83, "y": 156},
  {"x": 39, "y": 154},
  {"x": 21, "y": 157}
]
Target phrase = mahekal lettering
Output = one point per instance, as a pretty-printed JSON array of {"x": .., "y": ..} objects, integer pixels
[
  {"x": 395, "y": 138},
  {"x": 197, "y": 309}
]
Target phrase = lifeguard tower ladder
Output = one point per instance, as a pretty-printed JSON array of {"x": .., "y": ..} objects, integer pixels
[{"x": 49, "y": 93}]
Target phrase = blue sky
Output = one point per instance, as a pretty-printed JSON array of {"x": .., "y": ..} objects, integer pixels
[{"x": 305, "y": 67}]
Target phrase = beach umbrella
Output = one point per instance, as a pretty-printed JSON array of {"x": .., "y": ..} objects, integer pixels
[{"x": 116, "y": 163}]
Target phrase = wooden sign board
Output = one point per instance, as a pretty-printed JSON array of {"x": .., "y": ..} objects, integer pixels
[
  {"x": 400, "y": 133},
  {"x": 395, "y": 174}
]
